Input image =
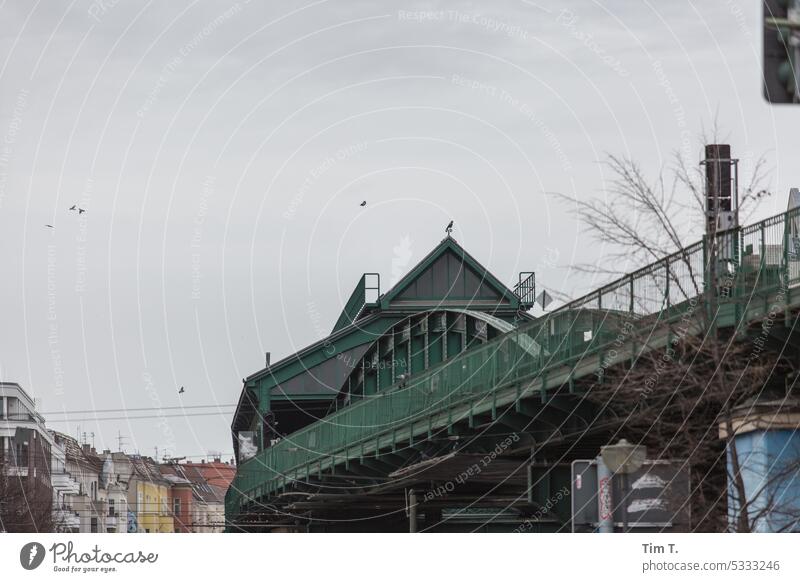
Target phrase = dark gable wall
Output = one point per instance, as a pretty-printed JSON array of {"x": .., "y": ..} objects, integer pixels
[
  {"x": 449, "y": 278},
  {"x": 325, "y": 378}
]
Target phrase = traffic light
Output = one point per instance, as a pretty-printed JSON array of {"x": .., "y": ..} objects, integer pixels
[{"x": 781, "y": 51}]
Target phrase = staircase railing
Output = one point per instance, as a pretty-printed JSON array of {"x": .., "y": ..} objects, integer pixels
[{"x": 358, "y": 300}]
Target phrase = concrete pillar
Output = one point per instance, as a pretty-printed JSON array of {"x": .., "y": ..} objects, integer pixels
[{"x": 412, "y": 511}]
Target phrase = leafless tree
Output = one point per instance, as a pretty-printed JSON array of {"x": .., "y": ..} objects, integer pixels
[
  {"x": 26, "y": 502},
  {"x": 681, "y": 397},
  {"x": 639, "y": 220}
]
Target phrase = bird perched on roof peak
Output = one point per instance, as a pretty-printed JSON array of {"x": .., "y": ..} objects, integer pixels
[{"x": 449, "y": 228}]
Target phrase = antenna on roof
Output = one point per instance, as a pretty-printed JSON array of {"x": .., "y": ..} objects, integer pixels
[
  {"x": 120, "y": 440},
  {"x": 85, "y": 440}
]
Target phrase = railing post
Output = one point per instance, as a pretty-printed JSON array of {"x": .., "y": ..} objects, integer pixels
[
  {"x": 763, "y": 262},
  {"x": 705, "y": 262},
  {"x": 708, "y": 292},
  {"x": 786, "y": 271},
  {"x": 785, "y": 249},
  {"x": 632, "y": 309}
]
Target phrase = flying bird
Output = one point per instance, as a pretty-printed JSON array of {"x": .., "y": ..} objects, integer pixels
[
  {"x": 49, "y": 226},
  {"x": 363, "y": 203},
  {"x": 81, "y": 210},
  {"x": 182, "y": 390},
  {"x": 73, "y": 207},
  {"x": 449, "y": 228}
]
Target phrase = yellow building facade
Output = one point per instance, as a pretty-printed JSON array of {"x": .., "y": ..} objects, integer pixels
[
  {"x": 153, "y": 508},
  {"x": 149, "y": 499}
]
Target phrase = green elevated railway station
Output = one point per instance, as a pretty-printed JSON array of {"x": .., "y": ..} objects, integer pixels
[{"x": 444, "y": 405}]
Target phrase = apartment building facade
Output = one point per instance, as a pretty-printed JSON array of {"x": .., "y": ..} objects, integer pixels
[{"x": 26, "y": 493}]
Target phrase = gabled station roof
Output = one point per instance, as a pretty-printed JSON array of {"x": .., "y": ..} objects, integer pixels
[
  {"x": 449, "y": 274},
  {"x": 447, "y": 278}
]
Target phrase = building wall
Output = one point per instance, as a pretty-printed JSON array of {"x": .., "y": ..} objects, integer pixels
[
  {"x": 208, "y": 518},
  {"x": 147, "y": 507},
  {"x": 182, "y": 511},
  {"x": 166, "y": 523},
  {"x": 25, "y": 460},
  {"x": 117, "y": 504},
  {"x": 770, "y": 463},
  {"x": 153, "y": 508},
  {"x": 215, "y": 518}
]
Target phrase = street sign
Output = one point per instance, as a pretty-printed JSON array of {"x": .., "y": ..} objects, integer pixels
[
  {"x": 658, "y": 499},
  {"x": 544, "y": 299},
  {"x": 248, "y": 447},
  {"x": 584, "y": 493}
]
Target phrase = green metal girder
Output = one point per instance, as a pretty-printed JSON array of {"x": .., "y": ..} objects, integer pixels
[{"x": 508, "y": 370}]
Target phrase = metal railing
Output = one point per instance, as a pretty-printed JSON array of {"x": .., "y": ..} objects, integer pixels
[
  {"x": 749, "y": 261},
  {"x": 357, "y": 300},
  {"x": 526, "y": 288}
]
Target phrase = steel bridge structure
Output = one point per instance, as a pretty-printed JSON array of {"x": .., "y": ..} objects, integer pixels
[{"x": 415, "y": 387}]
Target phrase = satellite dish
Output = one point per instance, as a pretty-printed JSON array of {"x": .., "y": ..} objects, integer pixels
[{"x": 544, "y": 299}]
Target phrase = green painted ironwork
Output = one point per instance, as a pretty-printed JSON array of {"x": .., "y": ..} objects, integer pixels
[
  {"x": 526, "y": 288},
  {"x": 356, "y": 302},
  {"x": 753, "y": 262}
]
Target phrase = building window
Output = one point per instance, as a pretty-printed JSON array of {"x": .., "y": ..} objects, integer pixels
[
  {"x": 176, "y": 506},
  {"x": 112, "y": 512},
  {"x": 94, "y": 525},
  {"x": 21, "y": 453}
]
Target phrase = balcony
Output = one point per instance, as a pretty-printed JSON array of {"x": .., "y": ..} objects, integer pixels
[
  {"x": 18, "y": 417},
  {"x": 67, "y": 519},
  {"x": 17, "y": 471},
  {"x": 65, "y": 484}
]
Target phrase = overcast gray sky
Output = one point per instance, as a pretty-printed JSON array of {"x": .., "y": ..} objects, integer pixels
[{"x": 221, "y": 150}]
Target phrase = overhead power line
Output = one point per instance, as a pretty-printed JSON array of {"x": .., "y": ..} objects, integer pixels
[
  {"x": 141, "y": 417},
  {"x": 92, "y": 411}
]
